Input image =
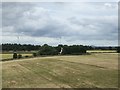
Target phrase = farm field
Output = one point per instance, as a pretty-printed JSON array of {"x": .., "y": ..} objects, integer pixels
[
  {"x": 9, "y": 56},
  {"x": 101, "y": 51},
  {"x": 78, "y": 71}
]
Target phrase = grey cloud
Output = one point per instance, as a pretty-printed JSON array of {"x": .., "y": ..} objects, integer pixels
[
  {"x": 105, "y": 29},
  {"x": 40, "y": 20}
]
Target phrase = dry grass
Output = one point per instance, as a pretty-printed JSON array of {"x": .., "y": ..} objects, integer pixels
[
  {"x": 104, "y": 51},
  {"x": 9, "y": 56},
  {"x": 83, "y": 71}
]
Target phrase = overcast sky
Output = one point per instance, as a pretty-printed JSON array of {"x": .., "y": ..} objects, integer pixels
[{"x": 64, "y": 22}]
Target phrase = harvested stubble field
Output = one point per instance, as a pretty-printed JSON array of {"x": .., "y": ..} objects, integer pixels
[{"x": 78, "y": 71}]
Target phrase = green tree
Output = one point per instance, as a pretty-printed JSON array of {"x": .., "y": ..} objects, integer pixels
[{"x": 47, "y": 50}]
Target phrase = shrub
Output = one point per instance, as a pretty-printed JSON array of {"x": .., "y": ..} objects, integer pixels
[
  {"x": 26, "y": 56},
  {"x": 14, "y": 55},
  {"x": 47, "y": 50},
  {"x": 34, "y": 54},
  {"x": 19, "y": 56}
]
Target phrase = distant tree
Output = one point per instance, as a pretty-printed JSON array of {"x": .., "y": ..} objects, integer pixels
[
  {"x": 66, "y": 49},
  {"x": 58, "y": 48},
  {"x": 74, "y": 49},
  {"x": 47, "y": 50},
  {"x": 29, "y": 47},
  {"x": 19, "y": 47}
]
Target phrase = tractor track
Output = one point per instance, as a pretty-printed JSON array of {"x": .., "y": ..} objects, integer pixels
[{"x": 44, "y": 77}]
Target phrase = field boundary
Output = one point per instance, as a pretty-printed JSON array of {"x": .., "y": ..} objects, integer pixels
[{"x": 9, "y": 59}]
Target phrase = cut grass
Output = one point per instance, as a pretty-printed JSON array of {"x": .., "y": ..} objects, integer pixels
[
  {"x": 9, "y": 56},
  {"x": 83, "y": 71}
]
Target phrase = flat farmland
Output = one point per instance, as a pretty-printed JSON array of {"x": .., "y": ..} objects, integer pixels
[
  {"x": 9, "y": 56},
  {"x": 98, "y": 70},
  {"x": 101, "y": 51}
]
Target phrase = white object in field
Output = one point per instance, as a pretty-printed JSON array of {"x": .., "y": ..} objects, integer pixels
[{"x": 61, "y": 50}]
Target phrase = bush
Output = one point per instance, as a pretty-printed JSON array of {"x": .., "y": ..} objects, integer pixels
[
  {"x": 34, "y": 54},
  {"x": 26, "y": 56},
  {"x": 19, "y": 56},
  {"x": 15, "y": 56}
]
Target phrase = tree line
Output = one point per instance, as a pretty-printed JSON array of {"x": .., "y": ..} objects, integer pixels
[
  {"x": 29, "y": 47},
  {"x": 46, "y": 49},
  {"x": 54, "y": 49},
  {"x": 19, "y": 47}
]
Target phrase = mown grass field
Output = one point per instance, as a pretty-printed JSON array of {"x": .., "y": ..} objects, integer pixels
[
  {"x": 9, "y": 56},
  {"x": 79, "y": 71}
]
